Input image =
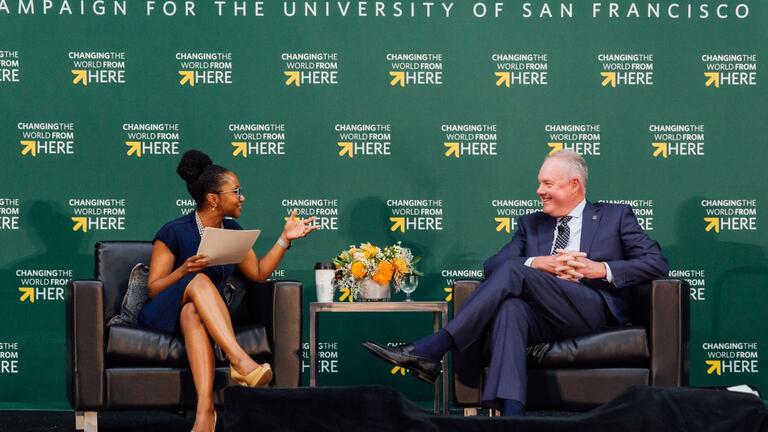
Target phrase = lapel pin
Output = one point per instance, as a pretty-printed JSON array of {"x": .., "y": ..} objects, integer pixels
[{"x": 594, "y": 217}]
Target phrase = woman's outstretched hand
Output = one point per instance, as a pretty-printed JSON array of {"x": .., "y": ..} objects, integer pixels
[{"x": 298, "y": 228}]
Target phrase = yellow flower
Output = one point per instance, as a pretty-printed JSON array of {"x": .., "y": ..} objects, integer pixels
[
  {"x": 358, "y": 269},
  {"x": 383, "y": 273},
  {"x": 401, "y": 265},
  {"x": 369, "y": 250}
]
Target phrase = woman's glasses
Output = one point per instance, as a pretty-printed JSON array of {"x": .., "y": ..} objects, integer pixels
[{"x": 237, "y": 191}]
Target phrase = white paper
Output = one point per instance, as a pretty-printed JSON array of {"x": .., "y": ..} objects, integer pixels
[{"x": 225, "y": 246}]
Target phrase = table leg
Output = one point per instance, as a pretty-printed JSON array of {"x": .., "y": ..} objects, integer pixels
[
  {"x": 313, "y": 336},
  {"x": 445, "y": 364},
  {"x": 435, "y": 329}
]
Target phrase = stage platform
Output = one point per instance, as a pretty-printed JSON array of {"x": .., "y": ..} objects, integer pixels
[{"x": 381, "y": 409}]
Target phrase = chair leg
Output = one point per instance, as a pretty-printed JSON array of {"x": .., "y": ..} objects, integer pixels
[
  {"x": 86, "y": 421},
  {"x": 470, "y": 412}
]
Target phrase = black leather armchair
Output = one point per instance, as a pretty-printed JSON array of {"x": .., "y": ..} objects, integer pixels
[
  {"x": 122, "y": 367},
  {"x": 584, "y": 372}
]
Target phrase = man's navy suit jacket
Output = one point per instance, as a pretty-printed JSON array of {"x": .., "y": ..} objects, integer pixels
[{"x": 609, "y": 233}]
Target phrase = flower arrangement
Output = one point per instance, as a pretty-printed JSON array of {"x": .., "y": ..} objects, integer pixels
[{"x": 382, "y": 265}]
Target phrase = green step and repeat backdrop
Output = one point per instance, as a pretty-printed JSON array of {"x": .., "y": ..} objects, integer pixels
[{"x": 412, "y": 121}]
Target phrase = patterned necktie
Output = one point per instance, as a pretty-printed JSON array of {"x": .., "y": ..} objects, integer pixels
[{"x": 563, "y": 233}]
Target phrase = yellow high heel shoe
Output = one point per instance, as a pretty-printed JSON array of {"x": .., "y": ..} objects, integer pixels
[{"x": 259, "y": 377}]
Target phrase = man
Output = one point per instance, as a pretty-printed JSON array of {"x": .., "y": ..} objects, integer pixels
[{"x": 563, "y": 275}]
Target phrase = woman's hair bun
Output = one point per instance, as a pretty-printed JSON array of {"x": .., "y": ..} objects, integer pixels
[{"x": 192, "y": 165}]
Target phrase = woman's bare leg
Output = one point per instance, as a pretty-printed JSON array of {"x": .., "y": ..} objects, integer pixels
[
  {"x": 215, "y": 317},
  {"x": 201, "y": 362}
]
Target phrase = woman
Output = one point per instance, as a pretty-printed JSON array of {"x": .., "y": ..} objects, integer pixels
[{"x": 184, "y": 291}]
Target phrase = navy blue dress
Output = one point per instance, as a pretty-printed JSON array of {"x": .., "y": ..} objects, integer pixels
[{"x": 182, "y": 238}]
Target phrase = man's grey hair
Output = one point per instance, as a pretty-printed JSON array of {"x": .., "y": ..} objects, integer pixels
[{"x": 575, "y": 164}]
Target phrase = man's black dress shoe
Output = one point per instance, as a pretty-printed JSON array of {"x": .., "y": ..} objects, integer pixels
[{"x": 423, "y": 368}]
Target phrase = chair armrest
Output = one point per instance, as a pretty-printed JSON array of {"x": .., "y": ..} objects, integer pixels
[
  {"x": 277, "y": 306},
  {"x": 86, "y": 310},
  {"x": 467, "y": 364},
  {"x": 287, "y": 333},
  {"x": 668, "y": 332}
]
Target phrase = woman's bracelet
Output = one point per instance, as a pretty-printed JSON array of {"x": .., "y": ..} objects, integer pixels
[{"x": 283, "y": 243}]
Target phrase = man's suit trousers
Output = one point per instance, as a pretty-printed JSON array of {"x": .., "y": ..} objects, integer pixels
[{"x": 522, "y": 306}]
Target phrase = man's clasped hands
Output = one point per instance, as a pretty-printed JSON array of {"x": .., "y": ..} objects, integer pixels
[{"x": 570, "y": 265}]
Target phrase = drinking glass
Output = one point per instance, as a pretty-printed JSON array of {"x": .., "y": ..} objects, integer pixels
[{"x": 410, "y": 282}]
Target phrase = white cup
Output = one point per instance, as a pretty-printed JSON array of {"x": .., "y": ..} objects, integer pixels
[{"x": 324, "y": 274}]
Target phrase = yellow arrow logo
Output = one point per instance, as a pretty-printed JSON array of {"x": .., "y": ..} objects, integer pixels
[
  {"x": 713, "y": 222},
  {"x": 187, "y": 77},
  {"x": 396, "y": 369},
  {"x": 27, "y": 294},
  {"x": 504, "y": 78},
  {"x": 346, "y": 294},
  {"x": 505, "y": 224},
  {"x": 134, "y": 147},
  {"x": 399, "y": 223},
  {"x": 81, "y": 223},
  {"x": 81, "y": 76},
  {"x": 399, "y": 77},
  {"x": 241, "y": 148},
  {"x": 609, "y": 78},
  {"x": 293, "y": 78},
  {"x": 556, "y": 147},
  {"x": 712, "y": 78},
  {"x": 29, "y": 147},
  {"x": 449, "y": 291},
  {"x": 661, "y": 149},
  {"x": 346, "y": 149},
  {"x": 287, "y": 218},
  {"x": 453, "y": 149},
  {"x": 715, "y": 366}
]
